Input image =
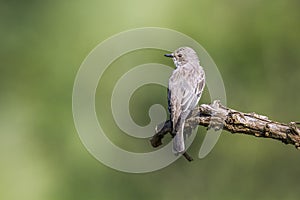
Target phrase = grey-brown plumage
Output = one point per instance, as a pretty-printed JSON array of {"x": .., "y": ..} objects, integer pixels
[{"x": 186, "y": 85}]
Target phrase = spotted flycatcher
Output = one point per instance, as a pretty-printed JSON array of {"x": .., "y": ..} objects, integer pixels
[{"x": 186, "y": 85}]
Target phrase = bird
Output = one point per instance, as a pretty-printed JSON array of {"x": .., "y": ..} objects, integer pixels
[{"x": 185, "y": 88}]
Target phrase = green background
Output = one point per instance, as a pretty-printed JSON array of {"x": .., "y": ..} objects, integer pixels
[{"x": 255, "y": 44}]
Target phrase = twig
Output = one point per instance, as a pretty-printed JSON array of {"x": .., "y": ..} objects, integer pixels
[{"x": 217, "y": 116}]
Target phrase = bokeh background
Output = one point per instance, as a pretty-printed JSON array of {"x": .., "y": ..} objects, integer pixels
[{"x": 255, "y": 44}]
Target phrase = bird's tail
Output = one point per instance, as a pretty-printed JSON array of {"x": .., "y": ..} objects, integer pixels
[{"x": 178, "y": 140}]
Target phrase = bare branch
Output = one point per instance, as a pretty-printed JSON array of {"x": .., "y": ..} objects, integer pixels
[{"x": 217, "y": 116}]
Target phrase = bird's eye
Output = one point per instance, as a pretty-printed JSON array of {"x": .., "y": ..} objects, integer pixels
[{"x": 179, "y": 55}]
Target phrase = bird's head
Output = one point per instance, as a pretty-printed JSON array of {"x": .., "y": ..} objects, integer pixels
[{"x": 183, "y": 55}]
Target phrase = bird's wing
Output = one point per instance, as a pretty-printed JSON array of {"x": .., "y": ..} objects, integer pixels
[
  {"x": 174, "y": 102},
  {"x": 193, "y": 88},
  {"x": 184, "y": 92}
]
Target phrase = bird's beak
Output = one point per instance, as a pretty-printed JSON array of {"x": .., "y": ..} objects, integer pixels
[{"x": 169, "y": 55}]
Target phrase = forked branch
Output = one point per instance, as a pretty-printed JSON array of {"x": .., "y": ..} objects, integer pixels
[{"x": 217, "y": 116}]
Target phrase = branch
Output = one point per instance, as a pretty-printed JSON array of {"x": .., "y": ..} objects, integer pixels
[{"x": 218, "y": 117}]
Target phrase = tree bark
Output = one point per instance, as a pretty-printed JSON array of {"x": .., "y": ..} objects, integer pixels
[{"x": 218, "y": 117}]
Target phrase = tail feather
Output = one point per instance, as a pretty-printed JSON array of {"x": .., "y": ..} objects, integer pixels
[{"x": 178, "y": 140}]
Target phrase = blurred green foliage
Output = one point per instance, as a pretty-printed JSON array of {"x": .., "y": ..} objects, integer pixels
[{"x": 255, "y": 44}]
